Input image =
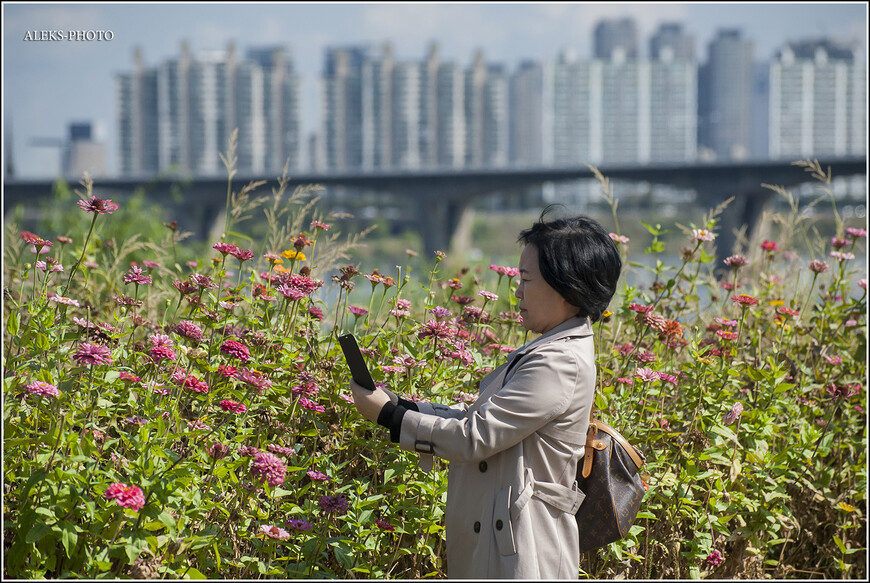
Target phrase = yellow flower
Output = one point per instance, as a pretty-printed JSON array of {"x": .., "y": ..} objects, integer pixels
[
  {"x": 706, "y": 360},
  {"x": 607, "y": 314},
  {"x": 280, "y": 269},
  {"x": 293, "y": 254},
  {"x": 777, "y": 303}
]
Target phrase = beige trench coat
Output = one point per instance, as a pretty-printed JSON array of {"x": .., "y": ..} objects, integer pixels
[{"x": 511, "y": 489}]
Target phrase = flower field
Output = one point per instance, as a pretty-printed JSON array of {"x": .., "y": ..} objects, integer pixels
[{"x": 167, "y": 417}]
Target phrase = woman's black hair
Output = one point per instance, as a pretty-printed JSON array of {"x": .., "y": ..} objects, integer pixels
[{"x": 578, "y": 259}]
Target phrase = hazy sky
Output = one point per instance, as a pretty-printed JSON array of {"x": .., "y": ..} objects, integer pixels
[{"x": 48, "y": 84}]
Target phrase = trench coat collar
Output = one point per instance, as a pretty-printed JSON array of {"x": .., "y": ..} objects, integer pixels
[{"x": 571, "y": 327}]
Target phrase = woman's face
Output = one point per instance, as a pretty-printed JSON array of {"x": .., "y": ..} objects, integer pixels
[{"x": 541, "y": 307}]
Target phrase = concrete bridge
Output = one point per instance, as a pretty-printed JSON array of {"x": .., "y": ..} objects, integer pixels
[{"x": 443, "y": 196}]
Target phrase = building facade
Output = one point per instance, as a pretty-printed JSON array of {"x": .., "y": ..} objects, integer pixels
[
  {"x": 817, "y": 102},
  {"x": 179, "y": 116}
]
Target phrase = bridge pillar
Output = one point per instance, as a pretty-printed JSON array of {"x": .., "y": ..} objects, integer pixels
[{"x": 445, "y": 224}]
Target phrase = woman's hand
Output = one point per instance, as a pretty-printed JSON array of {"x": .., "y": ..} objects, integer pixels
[{"x": 369, "y": 403}]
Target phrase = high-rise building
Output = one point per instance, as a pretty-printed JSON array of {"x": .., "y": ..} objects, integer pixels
[
  {"x": 673, "y": 97},
  {"x": 615, "y": 39},
  {"x": 486, "y": 113},
  {"x": 180, "y": 115},
  {"x": 817, "y": 102},
  {"x": 724, "y": 97},
  {"x": 671, "y": 43},
  {"x": 84, "y": 151}
]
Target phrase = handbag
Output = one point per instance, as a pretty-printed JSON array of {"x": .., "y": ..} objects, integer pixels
[{"x": 610, "y": 478}]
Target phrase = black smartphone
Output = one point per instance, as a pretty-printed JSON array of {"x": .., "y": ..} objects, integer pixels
[{"x": 358, "y": 369}]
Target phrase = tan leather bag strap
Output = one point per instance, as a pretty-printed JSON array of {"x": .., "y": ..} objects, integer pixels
[{"x": 591, "y": 443}]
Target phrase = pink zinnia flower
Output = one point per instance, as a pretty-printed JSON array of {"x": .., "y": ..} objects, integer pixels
[
  {"x": 842, "y": 256},
  {"x": 93, "y": 354},
  {"x": 236, "y": 350},
  {"x": 254, "y": 378},
  {"x": 162, "y": 352},
  {"x": 317, "y": 476},
  {"x": 357, "y": 311},
  {"x": 834, "y": 360},
  {"x": 274, "y": 532},
  {"x": 505, "y": 270},
  {"x": 488, "y": 295},
  {"x": 436, "y": 329},
  {"x": 838, "y": 243},
  {"x": 136, "y": 276},
  {"x": 268, "y": 467},
  {"x": 217, "y": 451},
  {"x": 62, "y": 299},
  {"x": 98, "y": 206},
  {"x": 42, "y": 389},
  {"x": 646, "y": 374},
  {"x": 275, "y": 448},
  {"x": 735, "y": 261},
  {"x": 242, "y": 255},
  {"x": 383, "y": 525},
  {"x": 127, "y": 496},
  {"x": 745, "y": 300},
  {"x": 726, "y": 335},
  {"x": 856, "y": 233},
  {"x": 788, "y": 311},
  {"x": 188, "y": 330},
  {"x": 320, "y": 226},
  {"x": 817, "y": 266},
  {"x": 225, "y": 248},
  {"x": 640, "y": 308},
  {"x": 311, "y": 405},
  {"x": 618, "y": 238},
  {"x": 702, "y": 235}
]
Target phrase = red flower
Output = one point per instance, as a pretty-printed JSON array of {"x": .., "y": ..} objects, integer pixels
[{"x": 770, "y": 246}]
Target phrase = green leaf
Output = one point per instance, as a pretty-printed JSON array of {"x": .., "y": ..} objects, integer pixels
[
  {"x": 839, "y": 544},
  {"x": 191, "y": 573},
  {"x": 36, "y": 533},
  {"x": 69, "y": 537}
]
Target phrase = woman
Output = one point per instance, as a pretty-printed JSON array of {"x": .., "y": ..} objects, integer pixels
[{"x": 511, "y": 489}]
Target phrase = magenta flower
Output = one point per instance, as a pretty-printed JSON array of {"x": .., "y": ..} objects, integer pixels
[
  {"x": 135, "y": 275},
  {"x": 311, "y": 405},
  {"x": 842, "y": 255},
  {"x": 57, "y": 298},
  {"x": 437, "y": 330},
  {"x": 319, "y": 225},
  {"x": 838, "y": 242},
  {"x": 127, "y": 496},
  {"x": 726, "y": 335},
  {"x": 225, "y": 248},
  {"x": 268, "y": 467},
  {"x": 162, "y": 352},
  {"x": 254, "y": 379},
  {"x": 843, "y": 391},
  {"x": 770, "y": 246},
  {"x": 383, "y": 525},
  {"x": 98, "y": 206},
  {"x": 337, "y": 504},
  {"x": 242, "y": 255},
  {"x": 357, "y": 311},
  {"x": 817, "y": 266},
  {"x": 42, "y": 389},
  {"x": 237, "y": 350},
  {"x": 440, "y": 312},
  {"x": 856, "y": 233},
  {"x": 714, "y": 559},
  {"x": 228, "y": 405},
  {"x": 93, "y": 354},
  {"x": 299, "y": 524},
  {"x": 280, "y": 449},
  {"x": 188, "y": 330},
  {"x": 217, "y": 451},
  {"x": 317, "y": 476}
]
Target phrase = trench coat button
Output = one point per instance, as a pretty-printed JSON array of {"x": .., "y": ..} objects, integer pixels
[
  {"x": 498, "y": 524},
  {"x": 482, "y": 466},
  {"x": 477, "y": 527}
]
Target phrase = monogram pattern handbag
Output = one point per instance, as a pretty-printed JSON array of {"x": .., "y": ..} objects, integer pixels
[{"x": 610, "y": 478}]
